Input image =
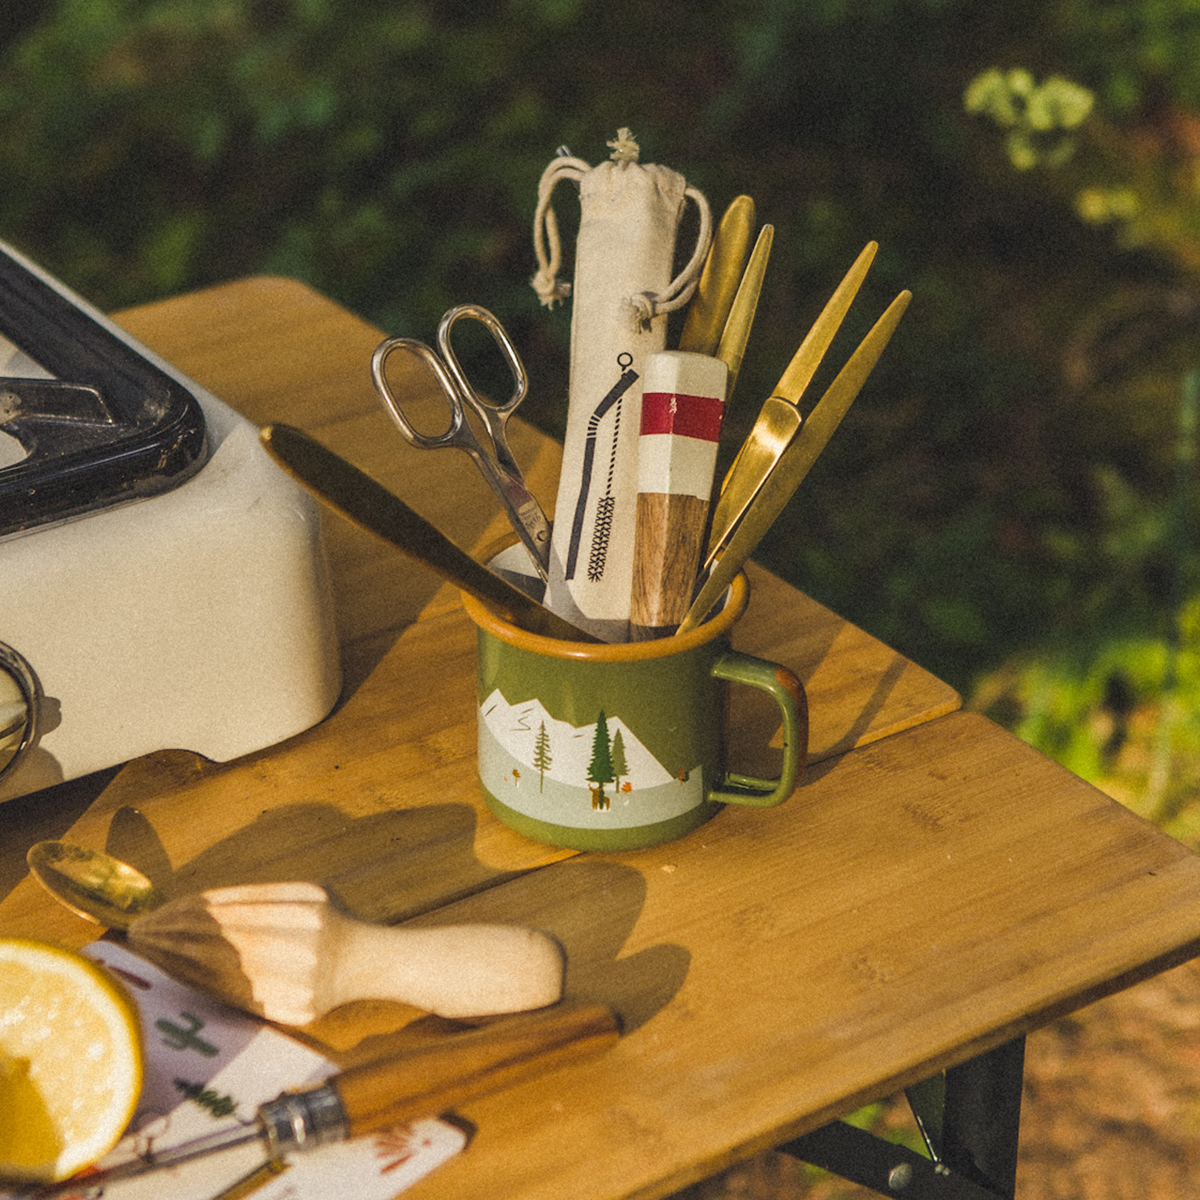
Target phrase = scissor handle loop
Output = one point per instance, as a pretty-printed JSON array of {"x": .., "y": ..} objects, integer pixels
[
  {"x": 453, "y": 436},
  {"x": 476, "y": 312}
]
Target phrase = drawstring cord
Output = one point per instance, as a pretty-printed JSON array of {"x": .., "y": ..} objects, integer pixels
[
  {"x": 648, "y": 305},
  {"x": 547, "y": 244}
]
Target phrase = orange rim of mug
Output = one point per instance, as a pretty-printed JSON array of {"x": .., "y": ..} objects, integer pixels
[{"x": 490, "y": 621}]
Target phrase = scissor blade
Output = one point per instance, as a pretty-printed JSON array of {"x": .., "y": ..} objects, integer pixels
[
  {"x": 795, "y": 463},
  {"x": 372, "y": 507},
  {"x": 808, "y": 357},
  {"x": 709, "y": 309},
  {"x": 736, "y": 334}
]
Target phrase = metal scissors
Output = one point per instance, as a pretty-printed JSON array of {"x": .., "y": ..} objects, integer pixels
[{"x": 495, "y": 461}]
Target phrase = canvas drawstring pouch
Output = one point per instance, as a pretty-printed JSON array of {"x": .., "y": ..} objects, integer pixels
[{"x": 623, "y": 290}]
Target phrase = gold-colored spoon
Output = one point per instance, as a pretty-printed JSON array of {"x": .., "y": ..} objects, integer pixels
[
  {"x": 93, "y": 884},
  {"x": 709, "y": 309}
]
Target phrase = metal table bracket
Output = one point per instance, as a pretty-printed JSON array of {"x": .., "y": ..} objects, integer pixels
[{"x": 969, "y": 1117}]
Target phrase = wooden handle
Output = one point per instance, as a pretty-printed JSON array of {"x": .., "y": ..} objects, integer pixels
[
  {"x": 451, "y": 970},
  {"x": 669, "y": 535},
  {"x": 426, "y": 1082},
  {"x": 683, "y": 403}
]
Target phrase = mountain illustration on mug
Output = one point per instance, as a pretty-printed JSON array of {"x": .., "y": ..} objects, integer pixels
[{"x": 606, "y": 757}]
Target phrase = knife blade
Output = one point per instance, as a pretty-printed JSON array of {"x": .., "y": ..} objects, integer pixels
[
  {"x": 778, "y": 421},
  {"x": 795, "y": 462},
  {"x": 372, "y": 507}
]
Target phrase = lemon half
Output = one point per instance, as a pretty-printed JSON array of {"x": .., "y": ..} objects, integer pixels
[{"x": 70, "y": 1061}]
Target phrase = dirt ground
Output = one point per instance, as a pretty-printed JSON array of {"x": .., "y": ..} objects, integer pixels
[{"x": 1111, "y": 1109}]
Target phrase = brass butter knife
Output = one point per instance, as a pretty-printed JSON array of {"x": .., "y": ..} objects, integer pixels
[
  {"x": 794, "y": 463},
  {"x": 780, "y": 419},
  {"x": 372, "y": 507}
]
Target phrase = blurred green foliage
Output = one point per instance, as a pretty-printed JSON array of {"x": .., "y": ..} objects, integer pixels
[
  {"x": 1038, "y": 117},
  {"x": 1000, "y": 492}
]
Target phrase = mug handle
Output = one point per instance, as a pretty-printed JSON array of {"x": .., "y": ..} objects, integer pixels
[{"x": 788, "y": 693}]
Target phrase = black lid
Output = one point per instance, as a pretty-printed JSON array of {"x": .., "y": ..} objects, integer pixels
[{"x": 109, "y": 426}]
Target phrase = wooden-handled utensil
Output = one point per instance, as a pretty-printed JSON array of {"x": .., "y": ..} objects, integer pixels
[
  {"x": 372, "y": 507},
  {"x": 392, "y": 1090}
]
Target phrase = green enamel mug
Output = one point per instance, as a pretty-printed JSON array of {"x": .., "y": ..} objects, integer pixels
[{"x": 619, "y": 746}]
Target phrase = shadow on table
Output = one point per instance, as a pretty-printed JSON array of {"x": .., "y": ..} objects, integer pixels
[
  {"x": 385, "y": 866},
  {"x": 591, "y": 906},
  {"x": 858, "y": 730}
]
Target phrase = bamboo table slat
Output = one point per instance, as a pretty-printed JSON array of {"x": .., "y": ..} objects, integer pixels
[{"x": 931, "y": 889}]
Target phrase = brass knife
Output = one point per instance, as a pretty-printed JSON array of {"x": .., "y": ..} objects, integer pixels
[
  {"x": 372, "y": 507},
  {"x": 794, "y": 463}
]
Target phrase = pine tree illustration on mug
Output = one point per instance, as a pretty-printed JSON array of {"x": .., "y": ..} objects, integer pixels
[
  {"x": 600, "y": 769},
  {"x": 620, "y": 765},
  {"x": 542, "y": 758}
]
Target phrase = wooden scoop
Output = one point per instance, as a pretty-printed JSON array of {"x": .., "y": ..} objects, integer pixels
[{"x": 284, "y": 951}]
